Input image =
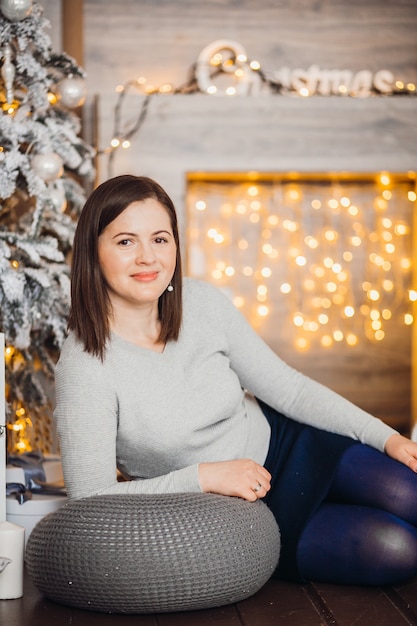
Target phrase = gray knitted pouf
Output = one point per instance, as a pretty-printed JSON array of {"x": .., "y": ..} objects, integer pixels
[{"x": 153, "y": 553}]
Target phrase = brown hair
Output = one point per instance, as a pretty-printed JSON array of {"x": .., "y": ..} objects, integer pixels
[{"x": 90, "y": 303}]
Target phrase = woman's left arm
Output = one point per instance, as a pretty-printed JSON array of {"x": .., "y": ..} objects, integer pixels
[
  {"x": 402, "y": 449},
  {"x": 261, "y": 371}
]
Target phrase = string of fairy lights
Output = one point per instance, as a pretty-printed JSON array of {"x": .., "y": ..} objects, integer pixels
[{"x": 332, "y": 258}]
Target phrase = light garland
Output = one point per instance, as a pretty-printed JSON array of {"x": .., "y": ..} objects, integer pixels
[{"x": 332, "y": 256}]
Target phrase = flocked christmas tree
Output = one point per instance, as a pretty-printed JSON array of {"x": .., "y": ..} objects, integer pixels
[{"x": 44, "y": 169}]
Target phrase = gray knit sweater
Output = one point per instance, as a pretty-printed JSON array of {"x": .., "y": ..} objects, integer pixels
[{"x": 155, "y": 415}]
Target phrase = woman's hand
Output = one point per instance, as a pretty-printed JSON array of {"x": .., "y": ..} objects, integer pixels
[
  {"x": 242, "y": 478},
  {"x": 403, "y": 450}
]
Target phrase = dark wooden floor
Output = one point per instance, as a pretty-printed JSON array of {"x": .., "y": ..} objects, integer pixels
[{"x": 277, "y": 602}]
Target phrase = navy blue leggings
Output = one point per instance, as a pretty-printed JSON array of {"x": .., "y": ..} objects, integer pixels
[{"x": 365, "y": 532}]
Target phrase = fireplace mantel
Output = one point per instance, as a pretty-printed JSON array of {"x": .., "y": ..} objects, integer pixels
[{"x": 196, "y": 132}]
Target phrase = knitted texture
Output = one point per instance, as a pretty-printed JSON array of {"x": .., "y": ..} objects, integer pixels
[{"x": 153, "y": 553}]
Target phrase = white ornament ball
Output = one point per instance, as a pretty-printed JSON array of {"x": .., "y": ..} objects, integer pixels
[
  {"x": 72, "y": 92},
  {"x": 16, "y": 10},
  {"x": 57, "y": 196},
  {"x": 48, "y": 166}
]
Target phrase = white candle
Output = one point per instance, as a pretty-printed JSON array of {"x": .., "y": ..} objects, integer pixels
[
  {"x": 2, "y": 434},
  {"x": 12, "y": 537},
  {"x": 12, "y": 549}
]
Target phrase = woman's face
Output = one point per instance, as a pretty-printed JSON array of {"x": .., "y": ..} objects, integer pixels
[{"x": 137, "y": 254}]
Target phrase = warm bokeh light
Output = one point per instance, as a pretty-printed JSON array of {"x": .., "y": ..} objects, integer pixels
[{"x": 333, "y": 256}]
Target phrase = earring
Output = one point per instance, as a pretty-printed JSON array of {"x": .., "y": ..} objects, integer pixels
[{"x": 170, "y": 287}]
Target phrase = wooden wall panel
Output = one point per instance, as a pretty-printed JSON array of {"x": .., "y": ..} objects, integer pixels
[{"x": 161, "y": 39}]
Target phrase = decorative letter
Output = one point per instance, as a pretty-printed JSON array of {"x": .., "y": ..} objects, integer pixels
[
  {"x": 361, "y": 84},
  {"x": 384, "y": 81},
  {"x": 212, "y": 59}
]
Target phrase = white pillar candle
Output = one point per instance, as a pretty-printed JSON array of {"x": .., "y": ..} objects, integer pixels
[
  {"x": 2, "y": 433},
  {"x": 12, "y": 537},
  {"x": 12, "y": 548}
]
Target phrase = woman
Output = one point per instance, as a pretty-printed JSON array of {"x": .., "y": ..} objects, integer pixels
[{"x": 158, "y": 378}]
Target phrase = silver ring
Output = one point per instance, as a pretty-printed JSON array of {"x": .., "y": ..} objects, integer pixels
[{"x": 256, "y": 489}]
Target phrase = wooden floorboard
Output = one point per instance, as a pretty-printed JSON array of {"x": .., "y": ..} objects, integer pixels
[
  {"x": 363, "y": 606},
  {"x": 278, "y": 603}
]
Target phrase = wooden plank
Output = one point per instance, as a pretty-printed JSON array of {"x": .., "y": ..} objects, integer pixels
[
  {"x": 279, "y": 602},
  {"x": 35, "y": 610},
  {"x": 414, "y": 326},
  {"x": 362, "y": 606},
  {"x": 408, "y": 593},
  {"x": 47, "y": 612},
  {"x": 73, "y": 29},
  {"x": 221, "y": 616},
  {"x": 402, "y": 605},
  {"x": 87, "y": 618},
  {"x": 374, "y": 376}
]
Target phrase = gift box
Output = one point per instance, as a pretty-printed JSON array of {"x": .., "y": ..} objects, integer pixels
[
  {"x": 34, "y": 487},
  {"x": 51, "y": 466}
]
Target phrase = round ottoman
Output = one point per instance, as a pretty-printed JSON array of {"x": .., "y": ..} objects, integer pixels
[{"x": 153, "y": 553}]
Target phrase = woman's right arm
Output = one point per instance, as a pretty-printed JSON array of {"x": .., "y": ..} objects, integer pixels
[{"x": 86, "y": 415}]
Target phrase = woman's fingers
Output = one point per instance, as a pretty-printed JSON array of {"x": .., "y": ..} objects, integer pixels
[
  {"x": 402, "y": 449},
  {"x": 242, "y": 477}
]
